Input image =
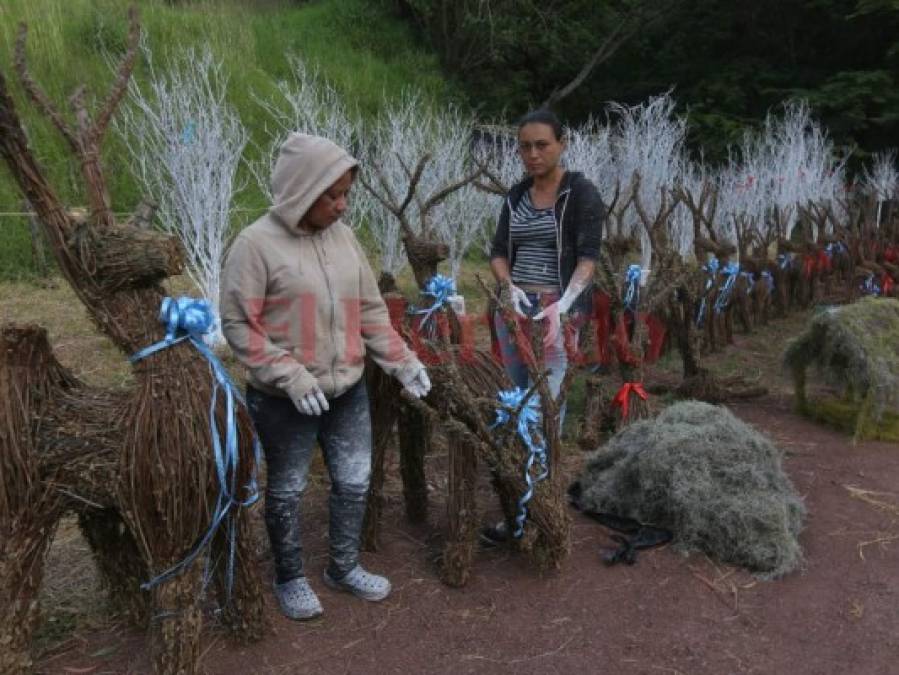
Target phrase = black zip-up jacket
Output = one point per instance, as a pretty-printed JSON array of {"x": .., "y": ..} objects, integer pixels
[{"x": 580, "y": 215}]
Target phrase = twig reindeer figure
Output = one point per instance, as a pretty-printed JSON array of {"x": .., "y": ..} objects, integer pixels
[
  {"x": 717, "y": 317},
  {"x": 424, "y": 252},
  {"x": 136, "y": 465}
]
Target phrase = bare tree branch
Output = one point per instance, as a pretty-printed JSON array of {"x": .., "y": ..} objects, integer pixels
[
  {"x": 447, "y": 190},
  {"x": 637, "y": 19},
  {"x": 413, "y": 182}
]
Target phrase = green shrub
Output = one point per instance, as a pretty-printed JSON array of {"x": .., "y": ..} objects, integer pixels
[{"x": 357, "y": 45}]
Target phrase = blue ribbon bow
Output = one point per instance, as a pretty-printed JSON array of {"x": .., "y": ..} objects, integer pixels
[
  {"x": 527, "y": 425},
  {"x": 632, "y": 295},
  {"x": 835, "y": 248},
  {"x": 440, "y": 288},
  {"x": 784, "y": 260},
  {"x": 191, "y": 319}
]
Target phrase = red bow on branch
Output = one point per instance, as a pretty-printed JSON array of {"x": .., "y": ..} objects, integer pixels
[
  {"x": 623, "y": 397},
  {"x": 887, "y": 285}
]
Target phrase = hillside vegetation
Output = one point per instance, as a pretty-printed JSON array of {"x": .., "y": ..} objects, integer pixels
[{"x": 359, "y": 48}]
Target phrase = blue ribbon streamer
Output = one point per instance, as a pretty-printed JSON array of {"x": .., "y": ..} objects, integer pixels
[
  {"x": 632, "y": 295},
  {"x": 769, "y": 281},
  {"x": 440, "y": 288},
  {"x": 190, "y": 319},
  {"x": 700, "y": 313},
  {"x": 784, "y": 260},
  {"x": 711, "y": 269},
  {"x": 869, "y": 286},
  {"x": 731, "y": 271},
  {"x": 750, "y": 279},
  {"x": 527, "y": 426}
]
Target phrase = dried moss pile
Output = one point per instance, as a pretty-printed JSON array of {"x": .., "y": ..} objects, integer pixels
[
  {"x": 714, "y": 481},
  {"x": 855, "y": 349}
]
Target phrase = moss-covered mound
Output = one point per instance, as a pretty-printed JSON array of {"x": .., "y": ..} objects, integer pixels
[
  {"x": 854, "y": 348},
  {"x": 713, "y": 480}
]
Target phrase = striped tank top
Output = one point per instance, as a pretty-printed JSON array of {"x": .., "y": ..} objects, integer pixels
[{"x": 533, "y": 233}]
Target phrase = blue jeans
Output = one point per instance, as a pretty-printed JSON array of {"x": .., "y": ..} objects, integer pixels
[
  {"x": 288, "y": 437},
  {"x": 555, "y": 358}
]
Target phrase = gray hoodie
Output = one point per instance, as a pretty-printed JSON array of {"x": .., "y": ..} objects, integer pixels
[{"x": 302, "y": 309}]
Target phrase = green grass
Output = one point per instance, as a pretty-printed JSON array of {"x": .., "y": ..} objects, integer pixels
[
  {"x": 15, "y": 249},
  {"x": 843, "y": 415},
  {"x": 363, "y": 51}
]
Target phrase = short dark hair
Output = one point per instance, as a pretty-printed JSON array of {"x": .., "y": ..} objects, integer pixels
[{"x": 543, "y": 116}]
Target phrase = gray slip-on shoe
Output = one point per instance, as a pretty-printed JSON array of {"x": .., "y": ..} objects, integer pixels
[
  {"x": 360, "y": 583},
  {"x": 297, "y": 599}
]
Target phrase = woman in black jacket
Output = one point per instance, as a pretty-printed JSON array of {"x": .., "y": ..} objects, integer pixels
[{"x": 546, "y": 244}]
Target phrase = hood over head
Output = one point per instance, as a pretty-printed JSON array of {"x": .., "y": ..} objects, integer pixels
[{"x": 306, "y": 167}]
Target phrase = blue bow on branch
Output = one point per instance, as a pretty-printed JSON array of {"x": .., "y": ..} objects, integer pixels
[
  {"x": 190, "y": 319},
  {"x": 527, "y": 424},
  {"x": 440, "y": 288}
]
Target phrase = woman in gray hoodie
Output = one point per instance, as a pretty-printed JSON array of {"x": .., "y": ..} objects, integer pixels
[{"x": 300, "y": 309}]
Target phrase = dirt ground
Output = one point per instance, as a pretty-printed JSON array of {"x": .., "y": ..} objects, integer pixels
[{"x": 666, "y": 614}]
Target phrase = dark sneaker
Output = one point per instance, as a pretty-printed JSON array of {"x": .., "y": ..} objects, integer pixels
[
  {"x": 297, "y": 599},
  {"x": 360, "y": 583}
]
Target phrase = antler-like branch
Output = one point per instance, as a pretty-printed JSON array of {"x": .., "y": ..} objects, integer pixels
[
  {"x": 414, "y": 179},
  {"x": 447, "y": 190},
  {"x": 123, "y": 74},
  {"x": 496, "y": 185},
  {"x": 36, "y": 94},
  {"x": 388, "y": 201}
]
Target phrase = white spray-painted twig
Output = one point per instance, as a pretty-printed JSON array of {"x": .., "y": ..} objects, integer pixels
[{"x": 185, "y": 143}]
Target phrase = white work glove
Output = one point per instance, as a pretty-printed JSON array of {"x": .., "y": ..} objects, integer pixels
[
  {"x": 313, "y": 403},
  {"x": 553, "y": 313},
  {"x": 418, "y": 383},
  {"x": 518, "y": 298}
]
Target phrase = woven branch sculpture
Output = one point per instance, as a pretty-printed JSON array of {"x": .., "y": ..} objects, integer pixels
[
  {"x": 135, "y": 465},
  {"x": 462, "y": 404}
]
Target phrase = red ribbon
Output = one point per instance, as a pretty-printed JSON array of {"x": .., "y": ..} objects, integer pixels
[
  {"x": 887, "y": 285},
  {"x": 396, "y": 310},
  {"x": 623, "y": 397},
  {"x": 602, "y": 317},
  {"x": 808, "y": 266},
  {"x": 891, "y": 254},
  {"x": 824, "y": 262}
]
